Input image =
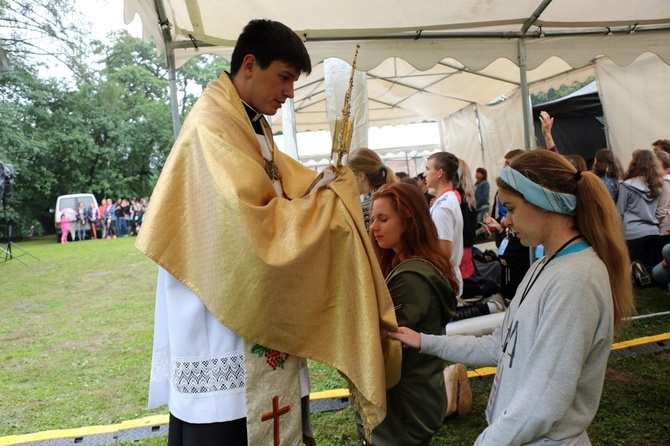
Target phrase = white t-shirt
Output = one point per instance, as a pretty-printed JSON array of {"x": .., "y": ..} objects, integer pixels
[{"x": 448, "y": 219}]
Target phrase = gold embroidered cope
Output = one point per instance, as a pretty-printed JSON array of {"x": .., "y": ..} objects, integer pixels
[{"x": 296, "y": 275}]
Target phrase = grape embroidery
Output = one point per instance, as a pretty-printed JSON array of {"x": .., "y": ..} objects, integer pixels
[{"x": 273, "y": 358}]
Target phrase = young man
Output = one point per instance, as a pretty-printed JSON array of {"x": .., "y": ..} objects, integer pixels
[
  {"x": 441, "y": 169},
  {"x": 259, "y": 267}
]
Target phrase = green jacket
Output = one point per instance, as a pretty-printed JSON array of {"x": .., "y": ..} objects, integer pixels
[{"x": 416, "y": 406}]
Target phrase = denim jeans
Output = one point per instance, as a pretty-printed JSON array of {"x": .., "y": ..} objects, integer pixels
[
  {"x": 81, "y": 230},
  {"x": 121, "y": 227},
  {"x": 660, "y": 273}
]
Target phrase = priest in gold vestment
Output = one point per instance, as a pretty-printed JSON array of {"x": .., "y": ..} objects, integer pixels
[{"x": 260, "y": 267}]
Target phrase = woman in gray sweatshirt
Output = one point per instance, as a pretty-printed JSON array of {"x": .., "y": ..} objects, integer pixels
[
  {"x": 552, "y": 348},
  {"x": 637, "y": 205}
]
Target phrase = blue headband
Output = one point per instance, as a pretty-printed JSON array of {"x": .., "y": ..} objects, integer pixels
[{"x": 533, "y": 193}]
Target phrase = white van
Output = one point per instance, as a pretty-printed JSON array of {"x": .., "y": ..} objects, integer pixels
[{"x": 71, "y": 201}]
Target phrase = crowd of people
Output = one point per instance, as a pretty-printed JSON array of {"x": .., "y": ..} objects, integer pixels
[
  {"x": 642, "y": 196},
  {"x": 348, "y": 267},
  {"x": 110, "y": 219},
  {"x": 620, "y": 231}
]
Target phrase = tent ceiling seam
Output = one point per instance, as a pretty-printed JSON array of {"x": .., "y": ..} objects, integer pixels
[
  {"x": 504, "y": 35},
  {"x": 421, "y": 90},
  {"x": 442, "y": 76},
  {"x": 663, "y": 25}
]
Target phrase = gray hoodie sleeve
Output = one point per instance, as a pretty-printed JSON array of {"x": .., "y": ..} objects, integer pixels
[
  {"x": 622, "y": 200},
  {"x": 476, "y": 351}
]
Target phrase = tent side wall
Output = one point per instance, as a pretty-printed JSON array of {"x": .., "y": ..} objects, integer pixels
[
  {"x": 636, "y": 100},
  {"x": 499, "y": 126}
]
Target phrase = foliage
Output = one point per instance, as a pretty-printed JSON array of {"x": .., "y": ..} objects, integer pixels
[
  {"x": 39, "y": 30},
  {"x": 108, "y": 134},
  {"x": 552, "y": 94},
  {"x": 194, "y": 76}
]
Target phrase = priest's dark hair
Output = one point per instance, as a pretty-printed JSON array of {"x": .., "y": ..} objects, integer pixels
[{"x": 268, "y": 41}]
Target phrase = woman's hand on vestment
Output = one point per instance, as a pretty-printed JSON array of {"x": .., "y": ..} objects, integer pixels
[{"x": 407, "y": 336}]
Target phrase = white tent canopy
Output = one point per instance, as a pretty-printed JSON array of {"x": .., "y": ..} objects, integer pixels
[
  {"x": 433, "y": 60},
  {"x": 471, "y": 31}
]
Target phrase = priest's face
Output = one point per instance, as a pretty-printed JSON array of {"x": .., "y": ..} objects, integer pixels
[
  {"x": 269, "y": 87},
  {"x": 386, "y": 225}
]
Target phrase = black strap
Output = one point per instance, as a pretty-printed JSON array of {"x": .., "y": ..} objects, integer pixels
[{"x": 534, "y": 279}]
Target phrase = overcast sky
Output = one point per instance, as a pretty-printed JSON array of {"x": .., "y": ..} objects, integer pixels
[{"x": 106, "y": 16}]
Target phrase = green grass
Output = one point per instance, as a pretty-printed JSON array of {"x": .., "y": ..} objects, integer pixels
[{"x": 75, "y": 347}]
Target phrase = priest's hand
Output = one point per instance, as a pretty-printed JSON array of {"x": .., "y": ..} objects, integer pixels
[
  {"x": 322, "y": 179},
  {"x": 407, "y": 336}
]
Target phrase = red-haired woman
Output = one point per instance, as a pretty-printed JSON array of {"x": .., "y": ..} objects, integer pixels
[{"x": 421, "y": 282}]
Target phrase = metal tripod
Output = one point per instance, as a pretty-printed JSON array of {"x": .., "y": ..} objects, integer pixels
[{"x": 7, "y": 249}]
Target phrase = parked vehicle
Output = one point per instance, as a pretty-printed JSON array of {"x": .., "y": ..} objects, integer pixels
[{"x": 67, "y": 204}]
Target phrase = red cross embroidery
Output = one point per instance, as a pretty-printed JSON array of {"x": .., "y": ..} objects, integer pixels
[{"x": 274, "y": 415}]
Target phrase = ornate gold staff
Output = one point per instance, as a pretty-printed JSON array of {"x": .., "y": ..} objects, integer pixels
[{"x": 344, "y": 125}]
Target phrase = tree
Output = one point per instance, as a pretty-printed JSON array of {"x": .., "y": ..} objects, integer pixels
[
  {"x": 33, "y": 138},
  {"x": 108, "y": 134},
  {"x": 564, "y": 90},
  {"x": 32, "y": 30},
  {"x": 194, "y": 75}
]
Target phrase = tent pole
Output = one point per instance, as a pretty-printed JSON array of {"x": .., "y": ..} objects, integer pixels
[
  {"x": 605, "y": 123},
  {"x": 171, "y": 65},
  {"x": 525, "y": 106},
  {"x": 172, "y": 82},
  {"x": 440, "y": 131},
  {"x": 525, "y": 103},
  {"x": 525, "y": 98},
  {"x": 481, "y": 135}
]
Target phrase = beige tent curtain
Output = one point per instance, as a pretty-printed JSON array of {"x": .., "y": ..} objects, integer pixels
[
  {"x": 289, "y": 129},
  {"x": 501, "y": 131},
  {"x": 460, "y": 136},
  {"x": 636, "y": 100}
]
